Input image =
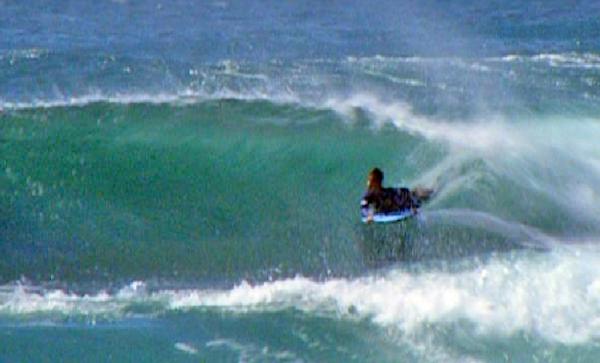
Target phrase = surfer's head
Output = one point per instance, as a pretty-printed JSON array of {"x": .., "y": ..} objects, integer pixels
[{"x": 375, "y": 178}]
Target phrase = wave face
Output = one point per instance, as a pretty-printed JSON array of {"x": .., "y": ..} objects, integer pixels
[{"x": 193, "y": 193}]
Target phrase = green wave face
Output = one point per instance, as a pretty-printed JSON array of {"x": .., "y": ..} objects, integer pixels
[
  {"x": 214, "y": 190},
  {"x": 228, "y": 190}
]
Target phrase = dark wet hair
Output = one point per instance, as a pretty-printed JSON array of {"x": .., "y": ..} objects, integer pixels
[{"x": 377, "y": 174}]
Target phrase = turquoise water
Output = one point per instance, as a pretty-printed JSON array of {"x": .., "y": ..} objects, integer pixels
[{"x": 180, "y": 182}]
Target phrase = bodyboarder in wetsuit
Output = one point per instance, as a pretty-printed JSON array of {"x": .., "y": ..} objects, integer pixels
[{"x": 378, "y": 199}]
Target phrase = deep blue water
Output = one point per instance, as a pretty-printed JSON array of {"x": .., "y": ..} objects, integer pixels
[{"x": 179, "y": 181}]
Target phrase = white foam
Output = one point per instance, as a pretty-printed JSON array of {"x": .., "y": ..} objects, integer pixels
[
  {"x": 526, "y": 235},
  {"x": 394, "y": 79},
  {"x": 93, "y": 98},
  {"x": 31, "y": 53},
  {"x": 249, "y": 352},
  {"x": 584, "y": 60},
  {"x": 554, "y": 295},
  {"x": 23, "y": 300},
  {"x": 481, "y": 136},
  {"x": 567, "y": 60},
  {"x": 183, "y": 97},
  {"x": 381, "y": 59},
  {"x": 557, "y": 157},
  {"x": 231, "y": 68},
  {"x": 186, "y": 348}
]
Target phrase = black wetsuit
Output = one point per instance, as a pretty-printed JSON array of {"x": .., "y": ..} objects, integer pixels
[{"x": 387, "y": 200}]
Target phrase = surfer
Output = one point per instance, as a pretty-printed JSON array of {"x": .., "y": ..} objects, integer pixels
[{"x": 378, "y": 199}]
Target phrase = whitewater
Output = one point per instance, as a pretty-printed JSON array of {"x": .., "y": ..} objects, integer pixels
[{"x": 180, "y": 182}]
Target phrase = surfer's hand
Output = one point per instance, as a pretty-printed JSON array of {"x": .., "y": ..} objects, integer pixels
[{"x": 370, "y": 219}]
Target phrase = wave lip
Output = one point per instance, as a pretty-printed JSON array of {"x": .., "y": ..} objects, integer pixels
[
  {"x": 479, "y": 136},
  {"x": 184, "y": 97}
]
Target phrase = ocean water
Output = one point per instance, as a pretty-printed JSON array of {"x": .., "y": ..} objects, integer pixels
[{"x": 179, "y": 181}]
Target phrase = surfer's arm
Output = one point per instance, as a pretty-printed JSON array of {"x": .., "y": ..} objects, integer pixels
[{"x": 367, "y": 209}]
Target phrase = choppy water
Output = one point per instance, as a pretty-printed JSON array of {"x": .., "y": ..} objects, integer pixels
[{"x": 179, "y": 181}]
